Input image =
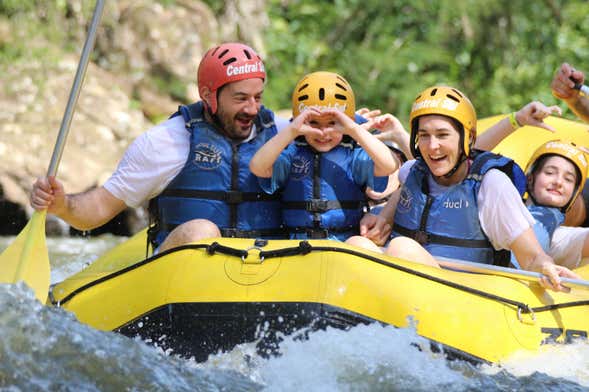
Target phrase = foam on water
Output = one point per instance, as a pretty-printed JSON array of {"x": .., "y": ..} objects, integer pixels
[
  {"x": 45, "y": 348},
  {"x": 569, "y": 362},
  {"x": 367, "y": 357}
]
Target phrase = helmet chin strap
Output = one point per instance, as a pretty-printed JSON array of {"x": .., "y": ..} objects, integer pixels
[
  {"x": 463, "y": 158},
  {"x": 214, "y": 119}
]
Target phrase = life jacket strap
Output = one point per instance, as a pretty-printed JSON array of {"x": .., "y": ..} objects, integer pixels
[
  {"x": 321, "y": 206},
  {"x": 229, "y": 197},
  {"x": 424, "y": 238}
]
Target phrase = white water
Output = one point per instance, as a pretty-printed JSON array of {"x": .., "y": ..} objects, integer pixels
[{"x": 45, "y": 348}]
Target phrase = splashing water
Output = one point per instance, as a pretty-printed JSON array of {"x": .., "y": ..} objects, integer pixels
[{"x": 45, "y": 348}]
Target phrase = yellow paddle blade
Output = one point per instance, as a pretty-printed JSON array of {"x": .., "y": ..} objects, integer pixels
[{"x": 27, "y": 258}]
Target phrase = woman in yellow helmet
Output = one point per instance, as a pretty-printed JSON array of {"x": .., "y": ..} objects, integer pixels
[
  {"x": 556, "y": 175},
  {"x": 323, "y": 174},
  {"x": 459, "y": 202}
]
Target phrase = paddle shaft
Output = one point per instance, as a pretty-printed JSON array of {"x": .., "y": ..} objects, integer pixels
[
  {"x": 75, "y": 91},
  {"x": 507, "y": 272}
]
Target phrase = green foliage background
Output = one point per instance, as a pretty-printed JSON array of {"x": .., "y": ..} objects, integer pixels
[{"x": 501, "y": 53}]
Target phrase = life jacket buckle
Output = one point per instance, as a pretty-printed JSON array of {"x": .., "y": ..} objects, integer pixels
[
  {"x": 422, "y": 237},
  {"x": 317, "y": 234},
  {"x": 233, "y": 197},
  {"x": 317, "y": 205}
]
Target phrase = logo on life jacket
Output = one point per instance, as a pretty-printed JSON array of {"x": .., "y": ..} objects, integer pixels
[
  {"x": 405, "y": 200},
  {"x": 207, "y": 156},
  {"x": 455, "y": 204},
  {"x": 245, "y": 69},
  {"x": 300, "y": 168}
]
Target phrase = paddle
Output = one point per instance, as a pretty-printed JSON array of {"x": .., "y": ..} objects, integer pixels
[
  {"x": 507, "y": 272},
  {"x": 27, "y": 258}
]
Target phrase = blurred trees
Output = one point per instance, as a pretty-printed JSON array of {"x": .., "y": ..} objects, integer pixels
[{"x": 501, "y": 53}]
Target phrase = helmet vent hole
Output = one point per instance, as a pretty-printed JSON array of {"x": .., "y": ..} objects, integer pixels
[
  {"x": 304, "y": 86},
  {"x": 215, "y": 51},
  {"x": 452, "y": 97},
  {"x": 303, "y": 98},
  {"x": 340, "y": 96},
  {"x": 341, "y": 86},
  {"x": 434, "y": 91},
  {"x": 457, "y": 92},
  {"x": 223, "y": 53},
  {"x": 247, "y": 54},
  {"x": 229, "y": 61},
  {"x": 321, "y": 94}
]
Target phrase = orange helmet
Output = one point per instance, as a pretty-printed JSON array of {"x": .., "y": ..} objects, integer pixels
[
  {"x": 446, "y": 101},
  {"x": 569, "y": 151},
  {"x": 227, "y": 63},
  {"x": 323, "y": 89}
]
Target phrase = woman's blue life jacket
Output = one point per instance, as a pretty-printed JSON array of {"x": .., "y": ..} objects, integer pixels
[
  {"x": 448, "y": 225},
  {"x": 548, "y": 219},
  {"x": 321, "y": 199},
  {"x": 216, "y": 183}
]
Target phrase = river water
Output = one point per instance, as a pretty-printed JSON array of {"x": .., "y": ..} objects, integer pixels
[{"x": 46, "y": 349}]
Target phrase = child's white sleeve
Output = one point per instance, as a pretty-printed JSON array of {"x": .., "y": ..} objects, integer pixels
[{"x": 566, "y": 247}]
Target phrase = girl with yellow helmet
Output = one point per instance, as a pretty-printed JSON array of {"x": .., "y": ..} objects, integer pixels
[
  {"x": 459, "y": 202},
  {"x": 316, "y": 163},
  {"x": 556, "y": 174}
]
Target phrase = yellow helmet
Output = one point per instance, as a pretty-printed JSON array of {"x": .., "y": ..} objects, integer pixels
[
  {"x": 567, "y": 150},
  {"x": 446, "y": 101},
  {"x": 323, "y": 89}
]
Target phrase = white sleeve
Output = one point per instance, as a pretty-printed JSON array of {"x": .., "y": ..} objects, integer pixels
[
  {"x": 404, "y": 170},
  {"x": 566, "y": 247},
  {"x": 281, "y": 123},
  {"x": 502, "y": 213},
  {"x": 150, "y": 163}
]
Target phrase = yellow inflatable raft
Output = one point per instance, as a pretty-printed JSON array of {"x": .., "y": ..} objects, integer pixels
[{"x": 211, "y": 295}]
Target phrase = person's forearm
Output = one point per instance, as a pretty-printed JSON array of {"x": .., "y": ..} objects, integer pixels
[
  {"x": 388, "y": 211},
  {"x": 91, "y": 209},
  {"x": 489, "y": 139},
  {"x": 384, "y": 162},
  {"x": 580, "y": 106},
  {"x": 403, "y": 144},
  {"x": 263, "y": 160}
]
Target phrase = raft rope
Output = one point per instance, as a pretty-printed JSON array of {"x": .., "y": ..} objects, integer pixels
[{"x": 304, "y": 248}]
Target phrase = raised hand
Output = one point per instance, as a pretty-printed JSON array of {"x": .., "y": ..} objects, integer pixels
[
  {"x": 340, "y": 121},
  {"x": 304, "y": 122},
  {"x": 534, "y": 114},
  {"x": 564, "y": 82}
]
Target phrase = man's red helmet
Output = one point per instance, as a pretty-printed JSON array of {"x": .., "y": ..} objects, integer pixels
[{"x": 226, "y": 63}]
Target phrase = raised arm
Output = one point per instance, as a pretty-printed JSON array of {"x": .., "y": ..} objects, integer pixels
[
  {"x": 263, "y": 160},
  {"x": 532, "y": 114},
  {"x": 392, "y": 130},
  {"x": 384, "y": 162},
  {"x": 563, "y": 88}
]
